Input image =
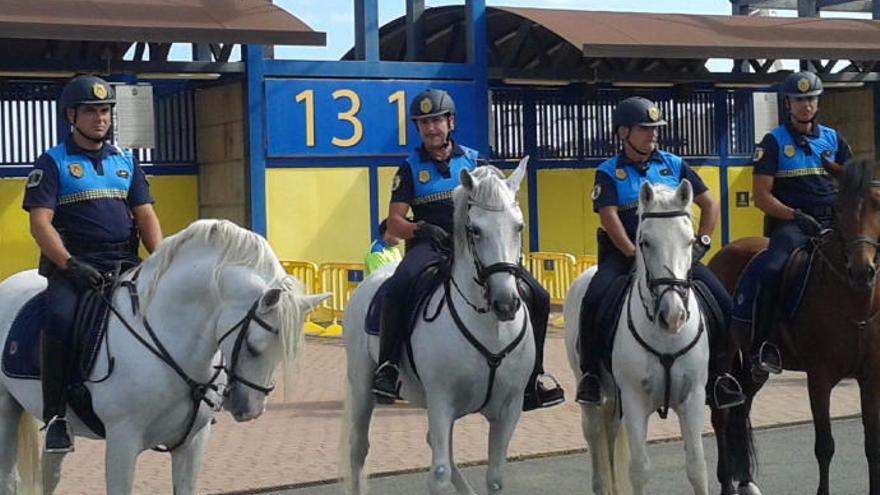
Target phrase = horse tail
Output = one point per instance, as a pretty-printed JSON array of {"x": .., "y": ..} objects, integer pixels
[{"x": 29, "y": 462}]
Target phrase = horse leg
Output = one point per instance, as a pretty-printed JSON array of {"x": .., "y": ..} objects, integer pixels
[
  {"x": 440, "y": 420},
  {"x": 820, "y": 394},
  {"x": 690, "y": 420},
  {"x": 51, "y": 472},
  {"x": 359, "y": 409},
  {"x": 500, "y": 432},
  {"x": 871, "y": 422},
  {"x": 720, "y": 421},
  {"x": 186, "y": 461},
  {"x": 120, "y": 459},
  {"x": 601, "y": 448},
  {"x": 458, "y": 480},
  {"x": 10, "y": 413},
  {"x": 636, "y": 419}
]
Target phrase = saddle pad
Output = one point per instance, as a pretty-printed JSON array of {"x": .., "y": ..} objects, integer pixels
[
  {"x": 747, "y": 288},
  {"x": 609, "y": 312},
  {"x": 21, "y": 354},
  {"x": 796, "y": 275},
  {"x": 420, "y": 290},
  {"x": 374, "y": 313}
]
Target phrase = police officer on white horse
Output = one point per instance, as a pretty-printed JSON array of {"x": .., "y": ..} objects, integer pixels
[
  {"x": 425, "y": 184},
  {"x": 89, "y": 203},
  {"x": 796, "y": 195},
  {"x": 615, "y": 197}
]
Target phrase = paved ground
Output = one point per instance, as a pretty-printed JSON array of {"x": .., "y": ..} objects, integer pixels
[
  {"x": 296, "y": 441},
  {"x": 781, "y": 472}
]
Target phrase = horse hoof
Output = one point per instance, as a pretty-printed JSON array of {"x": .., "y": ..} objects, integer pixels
[
  {"x": 749, "y": 489},
  {"x": 495, "y": 487}
]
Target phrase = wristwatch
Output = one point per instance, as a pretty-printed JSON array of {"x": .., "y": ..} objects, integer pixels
[{"x": 705, "y": 240}]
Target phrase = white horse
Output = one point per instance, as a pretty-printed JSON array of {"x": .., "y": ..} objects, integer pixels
[
  {"x": 213, "y": 291},
  {"x": 451, "y": 351},
  {"x": 661, "y": 316}
]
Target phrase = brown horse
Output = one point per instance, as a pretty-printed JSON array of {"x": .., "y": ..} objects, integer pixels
[{"x": 834, "y": 334}]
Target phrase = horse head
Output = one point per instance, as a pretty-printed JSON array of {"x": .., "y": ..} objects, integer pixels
[
  {"x": 488, "y": 232},
  {"x": 858, "y": 219},
  {"x": 663, "y": 252}
]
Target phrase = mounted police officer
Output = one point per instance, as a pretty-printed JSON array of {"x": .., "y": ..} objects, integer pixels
[
  {"x": 425, "y": 184},
  {"x": 615, "y": 197},
  {"x": 796, "y": 195},
  {"x": 87, "y": 201}
]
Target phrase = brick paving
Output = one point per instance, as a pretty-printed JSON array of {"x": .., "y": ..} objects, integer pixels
[{"x": 297, "y": 441}]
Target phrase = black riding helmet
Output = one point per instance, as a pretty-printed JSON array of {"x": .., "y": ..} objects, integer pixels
[
  {"x": 800, "y": 84},
  {"x": 86, "y": 90},
  {"x": 636, "y": 110},
  {"x": 431, "y": 103}
]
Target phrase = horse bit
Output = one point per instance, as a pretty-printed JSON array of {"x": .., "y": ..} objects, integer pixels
[{"x": 682, "y": 287}]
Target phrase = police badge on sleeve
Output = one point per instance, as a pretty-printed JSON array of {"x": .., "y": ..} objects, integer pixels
[
  {"x": 34, "y": 178},
  {"x": 597, "y": 191}
]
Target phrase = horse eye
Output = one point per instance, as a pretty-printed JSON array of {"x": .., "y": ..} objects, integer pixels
[
  {"x": 475, "y": 231},
  {"x": 644, "y": 244},
  {"x": 519, "y": 227}
]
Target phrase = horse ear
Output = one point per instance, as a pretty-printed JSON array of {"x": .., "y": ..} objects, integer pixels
[
  {"x": 466, "y": 179},
  {"x": 646, "y": 194},
  {"x": 308, "y": 303},
  {"x": 515, "y": 179},
  {"x": 685, "y": 193},
  {"x": 269, "y": 299}
]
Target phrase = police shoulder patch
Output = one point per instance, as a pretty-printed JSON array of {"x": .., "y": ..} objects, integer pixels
[
  {"x": 34, "y": 178},
  {"x": 597, "y": 191},
  {"x": 759, "y": 153},
  {"x": 395, "y": 184}
]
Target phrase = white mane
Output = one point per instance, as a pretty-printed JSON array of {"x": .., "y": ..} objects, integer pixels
[{"x": 237, "y": 247}]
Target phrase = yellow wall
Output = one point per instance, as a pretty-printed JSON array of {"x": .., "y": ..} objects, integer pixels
[
  {"x": 176, "y": 205},
  {"x": 566, "y": 219},
  {"x": 745, "y": 221},
  {"x": 319, "y": 214}
]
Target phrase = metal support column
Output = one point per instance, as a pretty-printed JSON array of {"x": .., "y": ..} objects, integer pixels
[
  {"x": 415, "y": 30},
  {"x": 366, "y": 30}
]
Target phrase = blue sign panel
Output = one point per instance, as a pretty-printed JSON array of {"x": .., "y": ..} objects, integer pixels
[{"x": 309, "y": 117}]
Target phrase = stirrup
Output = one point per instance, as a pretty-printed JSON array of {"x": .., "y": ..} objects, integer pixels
[
  {"x": 67, "y": 431},
  {"x": 740, "y": 397},
  {"x": 765, "y": 366},
  {"x": 582, "y": 388},
  {"x": 384, "y": 396}
]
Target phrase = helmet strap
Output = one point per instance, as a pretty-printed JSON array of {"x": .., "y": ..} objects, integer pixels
[
  {"x": 77, "y": 130},
  {"x": 636, "y": 150}
]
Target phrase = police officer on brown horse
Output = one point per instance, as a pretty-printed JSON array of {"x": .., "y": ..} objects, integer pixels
[
  {"x": 424, "y": 184},
  {"x": 89, "y": 204}
]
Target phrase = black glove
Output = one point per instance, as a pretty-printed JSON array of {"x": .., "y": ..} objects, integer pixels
[
  {"x": 807, "y": 223},
  {"x": 698, "y": 251},
  {"x": 435, "y": 234},
  {"x": 82, "y": 274}
]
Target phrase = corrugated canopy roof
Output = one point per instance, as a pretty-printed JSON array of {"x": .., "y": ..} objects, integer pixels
[
  {"x": 642, "y": 35},
  {"x": 198, "y": 21}
]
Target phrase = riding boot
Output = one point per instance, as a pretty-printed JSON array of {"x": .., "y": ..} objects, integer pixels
[
  {"x": 768, "y": 358},
  {"x": 589, "y": 390},
  {"x": 542, "y": 390},
  {"x": 54, "y": 372},
  {"x": 385, "y": 382}
]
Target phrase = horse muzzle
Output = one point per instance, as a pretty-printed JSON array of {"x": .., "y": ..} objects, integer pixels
[{"x": 506, "y": 310}]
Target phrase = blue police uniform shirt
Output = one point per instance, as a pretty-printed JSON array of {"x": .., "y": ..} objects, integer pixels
[
  {"x": 427, "y": 185},
  {"x": 794, "y": 160},
  {"x": 91, "y": 192},
  {"x": 618, "y": 181}
]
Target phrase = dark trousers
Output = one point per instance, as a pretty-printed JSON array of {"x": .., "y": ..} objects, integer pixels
[
  {"x": 784, "y": 239},
  {"x": 614, "y": 264},
  {"x": 419, "y": 257}
]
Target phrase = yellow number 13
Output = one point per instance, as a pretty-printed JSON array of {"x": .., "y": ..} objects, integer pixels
[{"x": 350, "y": 116}]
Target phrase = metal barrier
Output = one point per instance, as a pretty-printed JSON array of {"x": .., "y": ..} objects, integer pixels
[
  {"x": 304, "y": 271},
  {"x": 583, "y": 262},
  {"x": 554, "y": 272},
  {"x": 341, "y": 279}
]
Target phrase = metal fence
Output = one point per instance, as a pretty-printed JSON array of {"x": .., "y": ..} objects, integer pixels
[
  {"x": 30, "y": 124},
  {"x": 567, "y": 126}
]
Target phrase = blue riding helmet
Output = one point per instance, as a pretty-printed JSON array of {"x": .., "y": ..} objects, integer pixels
[
  {"x": 636, "y": 110},
  {"x": 86, "y": 90},
  {"x": 800, "y": 84},
  {"x": 431, "y": 103}
]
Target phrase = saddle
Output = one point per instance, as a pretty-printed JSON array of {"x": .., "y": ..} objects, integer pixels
[
  {"x": 795, "y": 277},
  {"x": 21, "y": 354},
  {"x": 422, "y": 288}
]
